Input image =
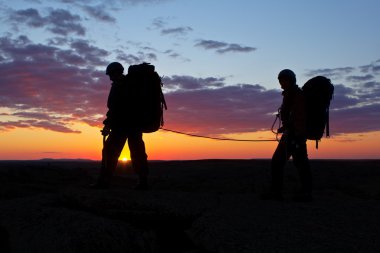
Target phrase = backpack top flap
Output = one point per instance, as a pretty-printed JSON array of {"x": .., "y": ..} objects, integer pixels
[
  {"x": 141, "y": 68},
  {"x": 319, "y": 90}
]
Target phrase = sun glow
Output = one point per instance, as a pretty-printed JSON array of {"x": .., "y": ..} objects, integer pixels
[{"x": 124, "y": 159}]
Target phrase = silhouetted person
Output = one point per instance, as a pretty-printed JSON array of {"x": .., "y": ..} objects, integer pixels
[
  {"x": 120, "y": 126},
  {"x": 293, "y": 140}
]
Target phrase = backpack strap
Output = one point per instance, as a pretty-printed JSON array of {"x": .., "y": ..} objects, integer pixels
[
  {"x": 328, "y": 123},
  {"x": 163, "y": 106}
]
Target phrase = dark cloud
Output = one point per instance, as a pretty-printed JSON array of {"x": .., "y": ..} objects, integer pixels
[
  {"x": 135, "y": 58},
  {"x": 373, "y": 68},
  {"x": 333, "y": 73},
  {"x": 211, "y": 44},
  {"x": 209, "y": 106},
  {"x": 172, "y": 53},
  {"x": 114, "y": 2},
  {"x": 58, "y": 21},
  {"x": 191, "y": 83},
  {"x": 36, "y": 115},
  {"x": 360, "y": 78},
  {"x": 376, "y": 69},
  {"x": 355, "y": 120},
  {"x": 176, "y": 31},
  {"x": 91, "y": 54},
  {"x": 47, "y": 125},
  {"x": 372, "y": 85},
  {"x": 158, "y": 23},
  {"x": 369, "y": 91},
  {"x": 43, "y": 87},
  {"x": 176, "y": 55},
  {"x": 136, "y": 2},
  {"x": 58, "y": 41},
  {"x": 344, "y": 97},
  {"x": 227, "y": 109},
  {"x": 355, "y": 110},
  {"x": 223, "y": 47},
  {"x": 80, "y": 54},
  {"x": 22, "y": 49},
  {"x": 162, "y": 25},
  {"x": 30, "y": 17},
  {"x": 99, "y": 13},
  {"x": 63, "y": 23}
]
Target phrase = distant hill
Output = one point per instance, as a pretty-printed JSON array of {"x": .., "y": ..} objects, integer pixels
[{"x": 65, "y": 160}]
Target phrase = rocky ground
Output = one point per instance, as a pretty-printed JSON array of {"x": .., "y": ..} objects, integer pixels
[{"x": 193, "y": 207}]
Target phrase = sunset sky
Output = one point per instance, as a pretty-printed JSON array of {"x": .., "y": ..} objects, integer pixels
[{"x": 219, "y": 59}]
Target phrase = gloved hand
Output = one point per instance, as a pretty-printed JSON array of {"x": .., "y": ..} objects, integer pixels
[{"x": 105, "y": 131}]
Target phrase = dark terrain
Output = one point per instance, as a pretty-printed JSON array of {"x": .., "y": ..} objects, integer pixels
[{"x": 193, "y": 207}]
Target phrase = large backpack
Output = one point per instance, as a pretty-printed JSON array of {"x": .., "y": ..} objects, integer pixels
[
  {"x": 148, "y": 97},
  {"x": 318, "y": 92}
]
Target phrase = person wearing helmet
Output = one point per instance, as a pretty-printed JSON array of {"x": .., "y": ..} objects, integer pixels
[
  {"x": 119, "y": 126},
  {"x": 293, "y": 140}
]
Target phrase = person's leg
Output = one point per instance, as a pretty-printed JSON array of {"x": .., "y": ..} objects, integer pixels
[
  {"x": 279, "y": 159},
  {"x": 111, "y": 152},
  {"x": 301, "y": 161},
  {"x": 139, "y": 159}
]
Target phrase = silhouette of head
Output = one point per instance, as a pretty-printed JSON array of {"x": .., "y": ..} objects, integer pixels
[
  {"x": 287, "y": 78},
  {"x": 114, "y": 70}
]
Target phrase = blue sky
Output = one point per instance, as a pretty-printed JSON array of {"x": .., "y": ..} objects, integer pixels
[{"x": 220, "y": 59}]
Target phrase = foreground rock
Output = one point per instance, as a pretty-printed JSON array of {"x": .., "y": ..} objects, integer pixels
[
  {"x": 36, "y": 225},
  {"x": 330, "y": 224},
  {"x": 194, "y": 207}
]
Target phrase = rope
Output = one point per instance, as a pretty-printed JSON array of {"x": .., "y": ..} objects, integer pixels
[{"x": 216, "y": 138}]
